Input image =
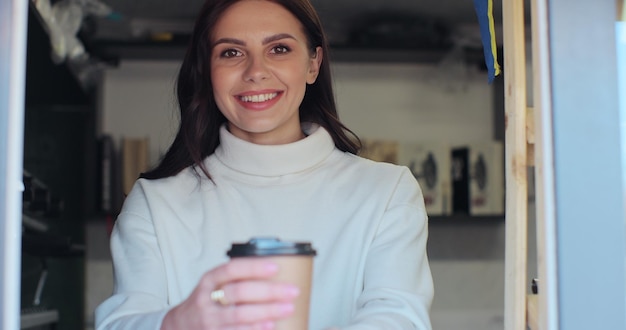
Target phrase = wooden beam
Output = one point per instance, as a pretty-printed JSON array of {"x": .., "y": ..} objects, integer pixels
[
  {"x": 532, "y": 313},
  {"x": 545, "y": 302},
  {"x": 530, "y": 125},
  {"x": 530, "y": 136},
  {"x": 516, "y": 212},
  {"x": 530, "y": 155}
]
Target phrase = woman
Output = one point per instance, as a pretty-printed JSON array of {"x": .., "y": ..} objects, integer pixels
[{"x": 260, "y": 152}]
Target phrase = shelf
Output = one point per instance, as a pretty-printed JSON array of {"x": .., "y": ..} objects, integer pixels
[
  {"x": 33, "y": 224},
  {"x": 465, "y": 237},
  {"x": 456, "y": 219},
  {"x": 175, "y": 50},
  {"x": 379, "y": 55},
  {"x": 46, "y": 245},
  {"x": 38, "y": 318}
]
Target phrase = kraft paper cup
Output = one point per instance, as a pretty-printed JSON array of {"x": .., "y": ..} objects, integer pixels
[{"x": 295, "y": 266}]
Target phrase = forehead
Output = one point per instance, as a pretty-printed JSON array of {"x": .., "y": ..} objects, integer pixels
[{"x": 247, "y": 18}]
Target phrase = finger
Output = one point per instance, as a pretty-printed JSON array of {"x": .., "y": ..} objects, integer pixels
[
  {"x": 256, "y": 313},
  {"x": 242, "y": 269},
  {"x": 259, "y": 291}
]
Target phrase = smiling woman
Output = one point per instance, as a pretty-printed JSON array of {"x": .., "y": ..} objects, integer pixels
[
  {"x": 260, "y": 152},
  {"x": 260, "y": 77}
]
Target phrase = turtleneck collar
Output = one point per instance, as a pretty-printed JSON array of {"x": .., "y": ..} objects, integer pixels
[{"x": 275, "y": 160}]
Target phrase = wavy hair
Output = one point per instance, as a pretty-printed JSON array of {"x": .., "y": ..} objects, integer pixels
[{"x": 200, "y": 118}]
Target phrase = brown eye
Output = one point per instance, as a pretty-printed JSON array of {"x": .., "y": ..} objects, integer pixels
[
  {"x": 280, "y": 49},
  {"x": 230, "y": 53}
]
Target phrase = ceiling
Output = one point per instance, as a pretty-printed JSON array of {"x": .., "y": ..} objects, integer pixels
[
  {"x": 141, "y": 18},
  {"x": 187, "y": 9}
]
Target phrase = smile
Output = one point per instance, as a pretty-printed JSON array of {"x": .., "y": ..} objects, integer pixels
[{"x": 258, "y": 98}]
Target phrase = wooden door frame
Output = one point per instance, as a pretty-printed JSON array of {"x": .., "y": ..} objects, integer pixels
[{"x": 580, "y": 194}]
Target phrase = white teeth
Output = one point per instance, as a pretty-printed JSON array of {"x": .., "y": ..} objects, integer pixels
[{"x": 258, "y": 97}]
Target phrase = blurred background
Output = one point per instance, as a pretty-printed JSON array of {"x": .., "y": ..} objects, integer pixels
[{"x": 410, "y": 80}]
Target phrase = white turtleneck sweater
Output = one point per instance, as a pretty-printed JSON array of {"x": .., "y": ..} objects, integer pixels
[{"x": 365, "y": 219}]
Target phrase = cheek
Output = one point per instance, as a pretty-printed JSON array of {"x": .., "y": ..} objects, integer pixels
[
  {"x": 218, "y": 89},
  {"x": 295, "y": 74},
  {"x": 219, "y": 81}
]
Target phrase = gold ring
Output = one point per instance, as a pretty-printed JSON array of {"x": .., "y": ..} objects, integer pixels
[{"x": 219, "y": 297}]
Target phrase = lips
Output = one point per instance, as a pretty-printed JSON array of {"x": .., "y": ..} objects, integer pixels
[{"x": 259, "y": 100}]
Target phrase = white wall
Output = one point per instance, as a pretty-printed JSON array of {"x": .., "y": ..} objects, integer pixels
[
  {"x": 138, "y": 100},
  {"x": 410, "y": 102},
  {"x": 404, "y": 102}
]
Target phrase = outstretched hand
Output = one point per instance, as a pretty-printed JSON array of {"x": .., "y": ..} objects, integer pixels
[{"x": 250, "y": 300}]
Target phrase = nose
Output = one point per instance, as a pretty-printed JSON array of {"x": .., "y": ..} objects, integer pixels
[{"x": 256, "y": 69}]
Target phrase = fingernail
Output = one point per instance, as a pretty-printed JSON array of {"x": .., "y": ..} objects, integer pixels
[{"x": 268, "y": 326}]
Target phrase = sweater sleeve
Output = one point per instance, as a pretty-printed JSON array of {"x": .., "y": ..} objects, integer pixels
[
  {"x": 398, "y": 286},
  {"x": 139, "y": 299}
]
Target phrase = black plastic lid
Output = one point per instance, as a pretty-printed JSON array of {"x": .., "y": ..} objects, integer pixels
[{"x": 270, "y": 246}]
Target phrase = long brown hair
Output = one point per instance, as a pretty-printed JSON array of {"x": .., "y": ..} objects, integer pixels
[{"x": 200, "y": 118}]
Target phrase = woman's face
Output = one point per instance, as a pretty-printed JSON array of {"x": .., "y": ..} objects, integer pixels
[{"x": 260, "y": 65}]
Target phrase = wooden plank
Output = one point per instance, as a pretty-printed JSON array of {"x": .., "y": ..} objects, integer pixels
[
  {"x": 530, "y": 125},
  {"x": 516, "y": 212},
  {"x": 532, "y": 313},
  {"x": 546, "y": 300},
  {"x": 530, "y": 136},
  {"x": 530, "y": 155}
]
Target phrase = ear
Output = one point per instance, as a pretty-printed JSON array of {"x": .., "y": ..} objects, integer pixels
[{"x": 314, "y": 65}]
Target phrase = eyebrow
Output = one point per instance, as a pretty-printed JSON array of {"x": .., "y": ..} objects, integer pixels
[{"x": 265, "y": 41}]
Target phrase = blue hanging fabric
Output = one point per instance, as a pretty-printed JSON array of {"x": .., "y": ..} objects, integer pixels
[{"x": 484, "y": 11}]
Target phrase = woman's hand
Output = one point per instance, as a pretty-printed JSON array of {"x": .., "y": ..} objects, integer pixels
[{"x": 250, "y": 300}]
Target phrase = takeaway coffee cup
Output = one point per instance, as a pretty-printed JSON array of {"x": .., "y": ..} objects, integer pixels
[{"x": 295, "y": 266}]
